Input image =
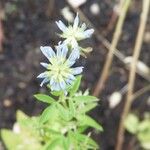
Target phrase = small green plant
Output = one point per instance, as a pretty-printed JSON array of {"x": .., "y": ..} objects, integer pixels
[
  {"x": 141, "y": 129},
  {"x": 64, "y": 122}
]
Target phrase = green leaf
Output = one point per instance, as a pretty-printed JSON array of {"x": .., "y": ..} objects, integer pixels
[
  {"x": 57, "y": 93},
  {"x": 44, "y": 98},
  {"x": 24, "y": 140},
  {"x": 72, "y": 107},
  {"x": 84, "y": 138},
  {"x": 49, "y": 113},
  {"x": 64, "y": 113},
  {"x": 85, "y": 99},
  {"x": 88, "y": 107},
  {"x": 79, "y": 140},
  {"x": 21, "y": 116},
  {"x": 143, "y": 133},
  {"x": 131, "y": 123},
  {"x": 66, "y": 143},
  {"x": 144, "y": 126},
  {"x": 10, "y": 139},
  {"x": 85, "y": 120},
  {"x": 144, "y": 138},
  {"x": 81, "y": 129},
  {"x": 75, "y": 86},
  {"x": 56, "y": 144}
]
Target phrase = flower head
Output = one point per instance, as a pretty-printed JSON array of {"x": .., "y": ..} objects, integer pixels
[
  {"x": 75, "y": 32},
  {"x": 59, "y": 73}
]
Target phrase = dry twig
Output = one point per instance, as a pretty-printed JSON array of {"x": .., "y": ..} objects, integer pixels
[
  {"x": 50, "y": 8},
  {"x": 103, "y": 40},
  {"x": 113, "y": 19},
  {"x": 1, "y": 26},
  {"x": 109, "y": 58},
  {"x": 137, "y": 49},
  {"x": 140, "y": 92}
]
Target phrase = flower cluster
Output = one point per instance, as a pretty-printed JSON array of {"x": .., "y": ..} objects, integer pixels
[
  {"x": 74, "y": 33},
  {"x": 60, "y": 74},
  {"x": 63, "y": 123}
]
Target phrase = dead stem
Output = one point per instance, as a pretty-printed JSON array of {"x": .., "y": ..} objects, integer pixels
[
  {"x": 110, "y": 55},
  {"x": 114, "y": 17},
  {"x": 140, "y": 92},
  {"x": 137, "y": 49},
  {"x": 1, "y": 25},
  {"x": 103, "y": 40},
  {"x": 50, "y": 8}
]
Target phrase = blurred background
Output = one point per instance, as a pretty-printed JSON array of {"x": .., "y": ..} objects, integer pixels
[{"x": 25, "y": 25}]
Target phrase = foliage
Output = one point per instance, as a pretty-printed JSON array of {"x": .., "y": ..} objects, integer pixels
[
  {"x": 63, "y": 123},
  {"x": 141, "y": 129}
]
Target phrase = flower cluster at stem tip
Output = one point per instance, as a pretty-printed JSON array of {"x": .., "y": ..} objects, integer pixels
[
  {"x": 60, "y": 74},
  {"x": 74, "y": 33}
]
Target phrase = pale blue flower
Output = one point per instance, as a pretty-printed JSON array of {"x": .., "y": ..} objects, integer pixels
[
  {"x": 74, "y": 33},
  {"x": 59, "y": 73}
]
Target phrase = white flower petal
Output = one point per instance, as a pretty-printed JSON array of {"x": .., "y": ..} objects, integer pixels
[
  {"x": 77, "y": 70},
  {"x": 76, "y": 22},
  {"x": 52, "y": 81},
  {"x": 56, "y": 86},
  {"x": 71, "y": 77},
  {"x": 44, "y": 64},
  {"x": 61, "y": 25},
  {"x": 42, "y": 75},
  {"x": 47, "y": 51},
  {"x": 88, "y": 33},
  {"x": 68, "y": 81},
  {"x": 59, "y": 51},
  {"x": 62, "y": 85},
  {"x": 83, "y": 26},
  {"x": 70, "y": 63},
  {"x": 74, "y": 55},
  {"x": 44, "y": 81},
  {"x": 53, "y": 86},
  {"x": 74, "y": 43},
  {"x": 64, "y": 51}
]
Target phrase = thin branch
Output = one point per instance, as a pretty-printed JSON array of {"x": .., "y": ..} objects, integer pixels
[
  {"x": 103, "y": 40},
  {"x": 50, "y": 8},
  {"x": 114, "y": 17},
  {"x": 140, "y": 92},
  {"x": 137, "y": 49},
  {"x": 1, "y": 25},
  {"x": 110, "y": 54}
]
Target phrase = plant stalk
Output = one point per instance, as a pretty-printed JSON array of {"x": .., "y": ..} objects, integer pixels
[
  {"x": 132, "y": 74},
  {"x": 116, "y": 37}
]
